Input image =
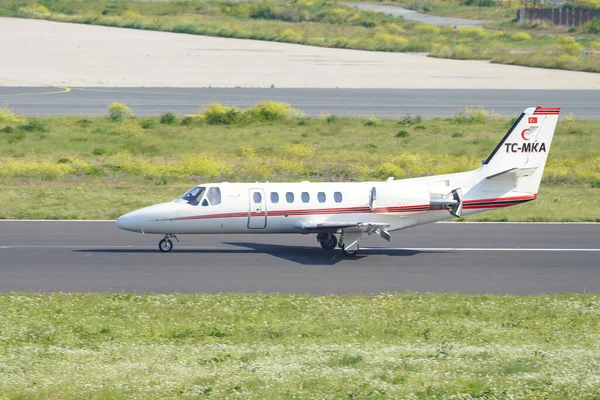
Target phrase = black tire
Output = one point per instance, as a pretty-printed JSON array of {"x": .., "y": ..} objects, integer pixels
[
  {"x": 351, "y": 253},
  {"x": 328, "y": 241},
  {"x": 165, "y": 245}
]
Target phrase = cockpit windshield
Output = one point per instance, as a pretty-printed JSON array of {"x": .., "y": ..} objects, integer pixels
[{"x": 193, "y": 195}]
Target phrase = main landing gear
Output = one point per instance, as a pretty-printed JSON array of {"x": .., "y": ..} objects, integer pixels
[
  {"x": 329, "y": 241},
  {"x": 166, "y": 245},
  {"x": 350, "y": 253}
]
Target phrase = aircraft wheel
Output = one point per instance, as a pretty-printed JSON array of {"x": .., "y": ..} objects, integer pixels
[
  {"x": 327, "y": 241},
  {"x": 350, "y": 253},
  {"x": 165, "y": 245}
]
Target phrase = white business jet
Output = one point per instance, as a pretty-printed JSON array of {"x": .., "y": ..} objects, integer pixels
[{"x": 510, "y": 175}]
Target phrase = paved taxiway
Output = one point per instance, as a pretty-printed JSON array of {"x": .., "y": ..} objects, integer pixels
[
  {"x": 382, "y": 103},
  {"x": 466, "y": 258},
  {"x": 45, "y": 53},
  {"x": 416, "y": 16}
]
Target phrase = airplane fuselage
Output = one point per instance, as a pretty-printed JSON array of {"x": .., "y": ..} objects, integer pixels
[
  {"x": 284, "y": 207},
  {"x": 510, "y": 175}
]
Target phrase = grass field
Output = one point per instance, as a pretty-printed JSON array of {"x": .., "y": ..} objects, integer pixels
[
  {"x": 94, "y": 168},
  {"x": 411, "y": 346},
  {"x": 321, "y": 23}
]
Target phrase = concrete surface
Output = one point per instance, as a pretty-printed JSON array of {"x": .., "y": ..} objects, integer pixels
[
  {"x": 417, "y": 16},
  {"x": 40, "y": 53}
]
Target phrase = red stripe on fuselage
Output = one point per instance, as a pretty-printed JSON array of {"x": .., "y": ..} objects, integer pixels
[{"x": 497, "y": 202}]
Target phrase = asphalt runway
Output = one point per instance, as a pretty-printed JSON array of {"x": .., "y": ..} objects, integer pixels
[
  {"x": 382, "y": 103},
  {"x": 457, "y": 257}
]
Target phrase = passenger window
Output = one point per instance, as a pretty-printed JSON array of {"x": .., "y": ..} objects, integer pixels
[
  {"x": 274, "y": 197},
  {"x": 214, "y": 196},
  {"x": 257, "y": 197},
  {"x": 321, "y": 197},
  {"x": 305, "y": 197},
  {"x": 204, "y": 203},
  {"x": 289, "y": 197},
  {"x": 337, "y": 196}
]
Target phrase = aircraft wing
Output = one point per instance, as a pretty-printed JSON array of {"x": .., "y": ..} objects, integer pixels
[{"x": 356, "y": 227}]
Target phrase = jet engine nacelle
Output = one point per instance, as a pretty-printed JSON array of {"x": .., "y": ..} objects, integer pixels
[{"x": 390, "y": 197}]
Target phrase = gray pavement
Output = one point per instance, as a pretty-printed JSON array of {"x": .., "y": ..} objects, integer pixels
[
  {"x": 465, "y": 258},
  {"x": 416, "y": 16},
  {"x": 382, "y": 103},
  {"x": 46, "y": 53}
]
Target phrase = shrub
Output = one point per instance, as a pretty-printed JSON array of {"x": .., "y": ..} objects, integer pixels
[
  {"x": 270, "y": 111},
  {"x": 84, "y": 122},
  {"x": 457, "y": 134},
  {"x": 521, "y": 36},
  {"x": 408, "y": 121},
  {"x": 566, "y": 61},
  {"x": 147, "y": 123},
  {"x": 119, "y": 111},
  {"x": 461, "y": 52},
  {"x": 7, "y": 116},
  {"x": 129, "y": 13},
  {"x": 99, "y": 151},
  {"x": 427, "y": 28},
  {"x": 402, "y": 134},
  {"x": 218, "y": 114},
  {"x": 387, "y": 41},
  {"x": 331, "y": 118},
  {"x": 474, "y": 32},
  {"x": 130, "y": 128},
  {"x": 186, "y": 121},
  {"x": 35, "y": 168},
  {"x": 167, "y": 118},
  {"x": 35, "y": 8},
  {"x": 594, "y": 45},
  {"x": 480, "y": 3},
  {"x": 372, "y": 122},
  {"x": 290, "y": 35},
  {"x": 33, "y": 126},
  {"x": 592, "y": 27},
  {"x": 394, "y": 28},
  {"x": 568, "y": 45},
  {"x": 387, "y": 170},
  {"x": 205, "y": 166},
  {"x": 298, "y": 150},
  {"x": 472, "y": 116},
  {"x": 7, "y": 129}
]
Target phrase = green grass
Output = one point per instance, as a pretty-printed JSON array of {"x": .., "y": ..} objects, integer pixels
[
  {"x": 96, "y": 168},
  {"x": 58, "y": 346},
  {"x": 320, "y": 23}
]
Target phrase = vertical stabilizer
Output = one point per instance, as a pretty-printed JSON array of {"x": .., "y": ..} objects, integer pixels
[{"x": 524, "y": 149}]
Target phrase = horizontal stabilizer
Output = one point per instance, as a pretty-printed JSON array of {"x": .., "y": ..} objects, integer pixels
[{"x": 513, "y": 173}]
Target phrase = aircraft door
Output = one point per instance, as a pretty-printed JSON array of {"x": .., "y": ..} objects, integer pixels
[{"x": 257, "y": 213}]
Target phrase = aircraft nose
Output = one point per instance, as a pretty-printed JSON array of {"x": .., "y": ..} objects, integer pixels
[{"x": 128, "y": 222}]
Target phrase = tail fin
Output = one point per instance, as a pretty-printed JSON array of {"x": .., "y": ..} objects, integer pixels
[{"x": 524, "y": 149}]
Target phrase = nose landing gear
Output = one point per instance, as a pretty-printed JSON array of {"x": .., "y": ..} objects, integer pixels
[{"x": 166, "y": 245}]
